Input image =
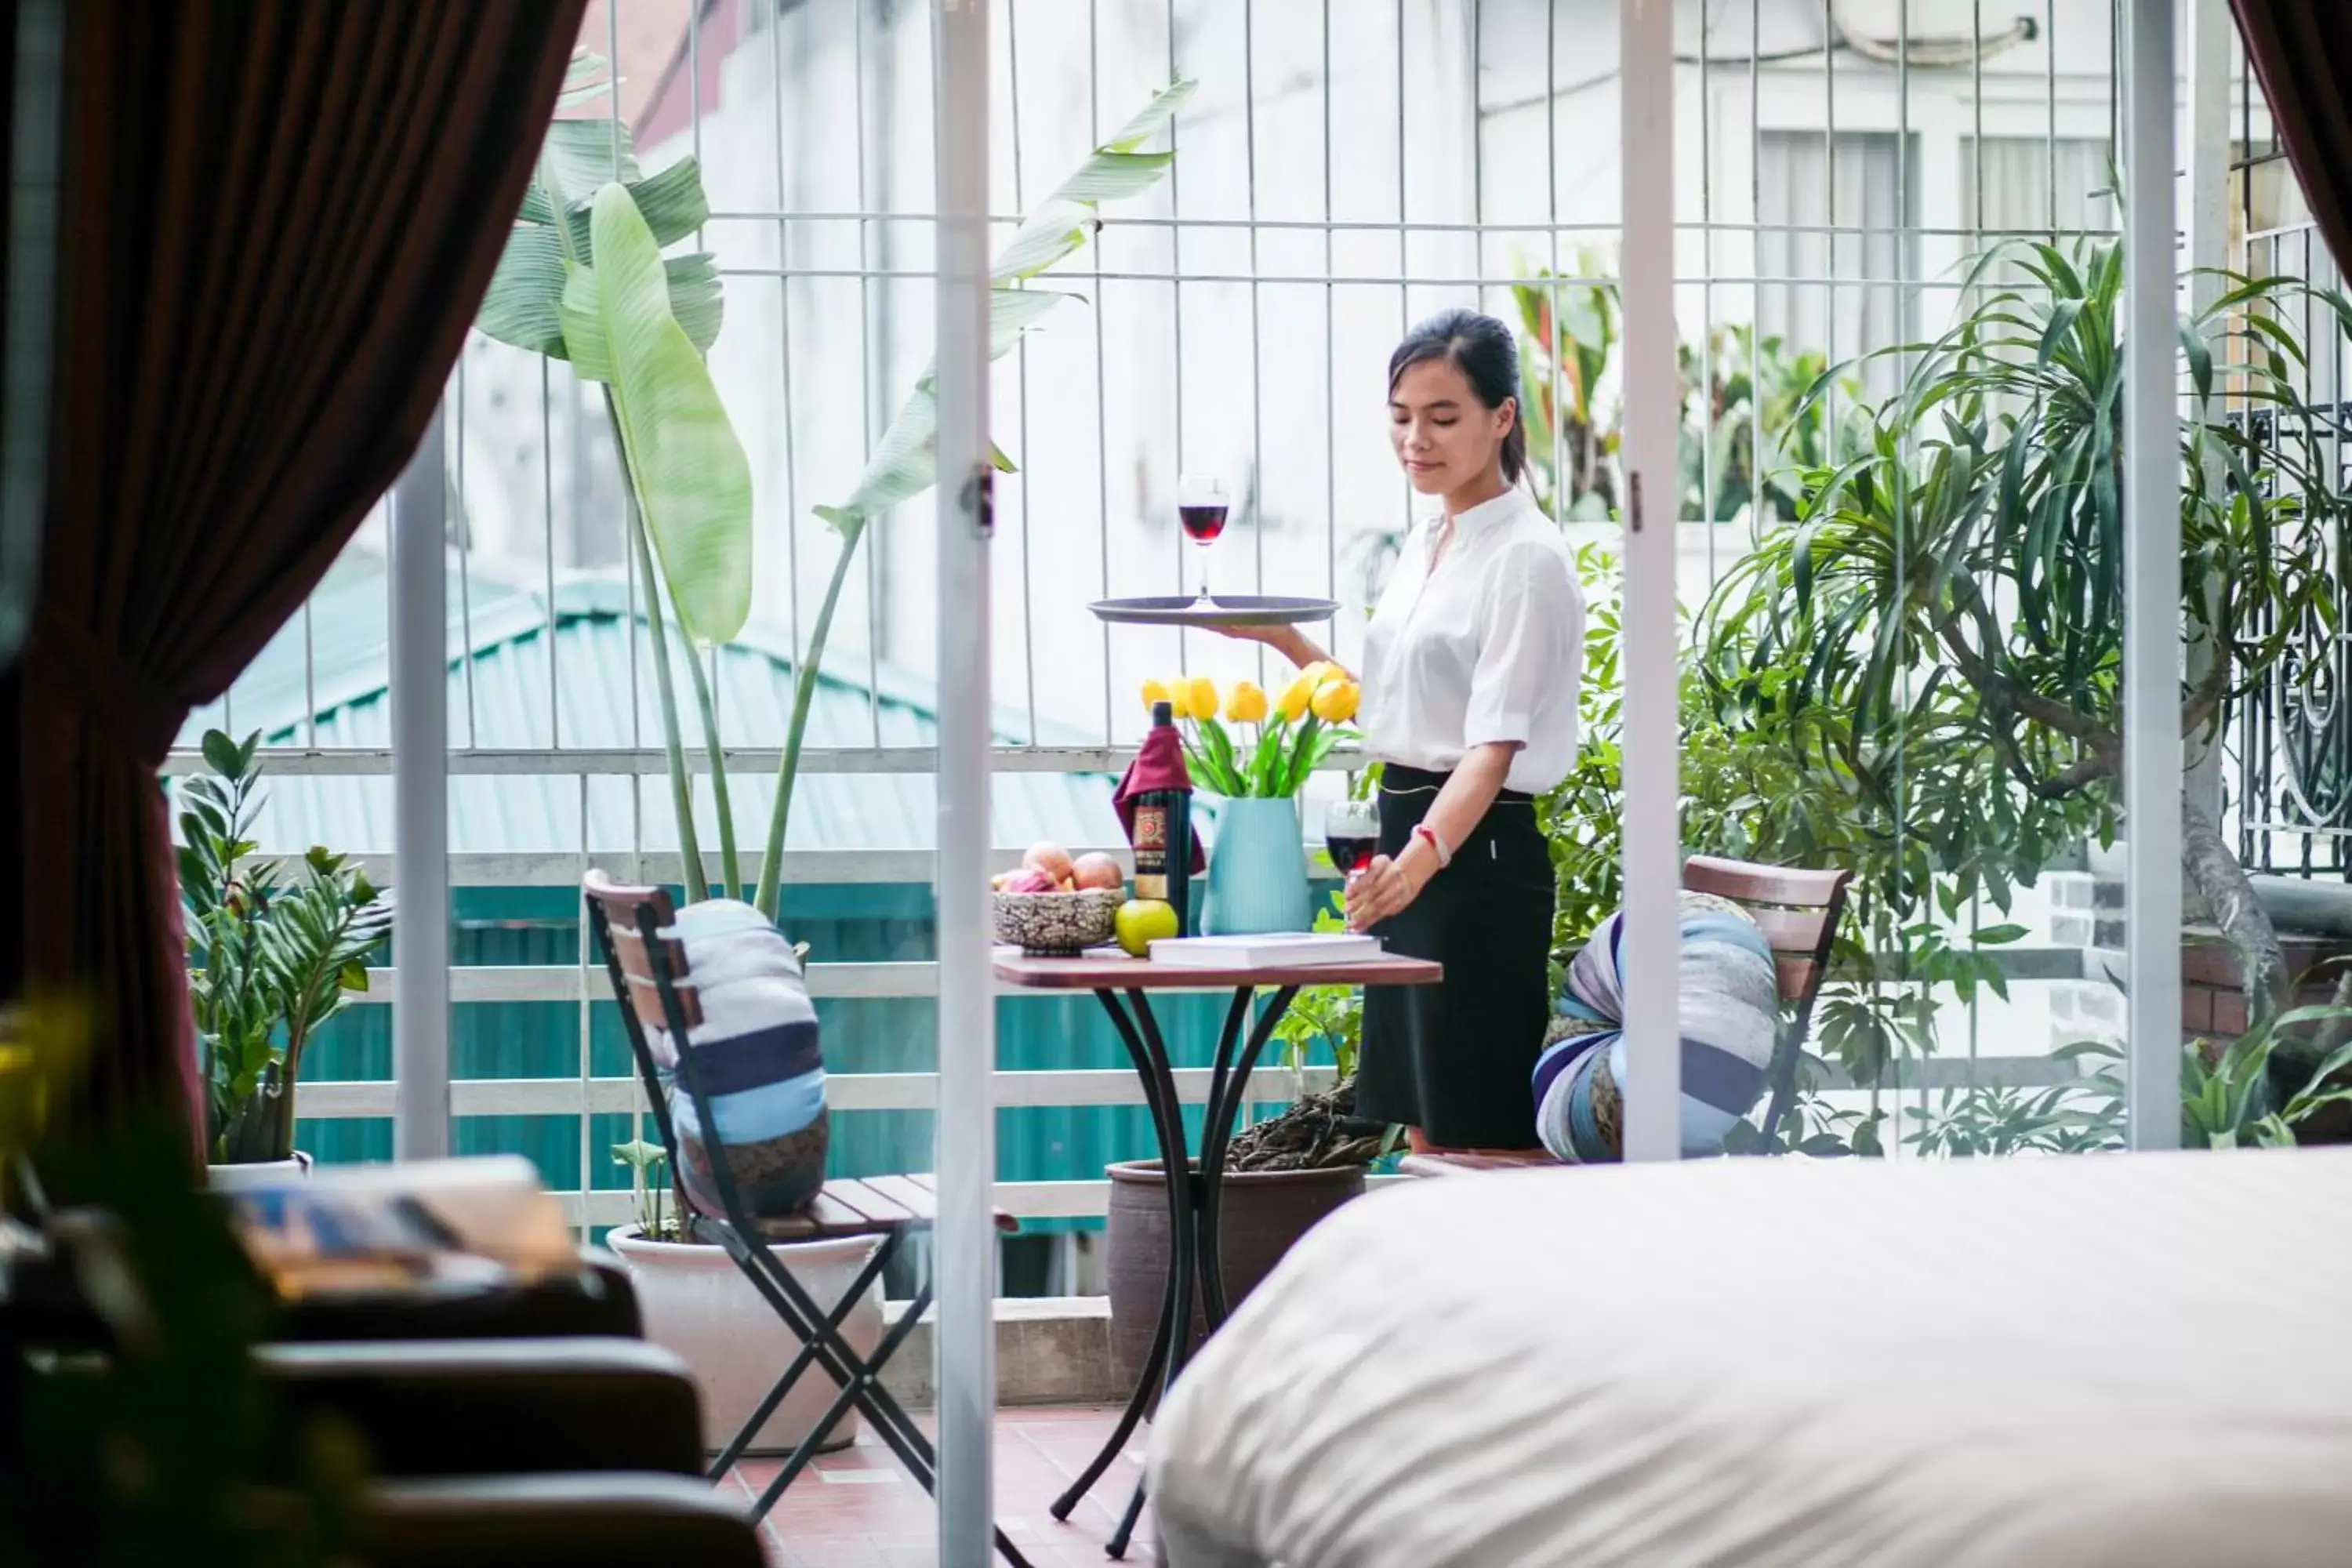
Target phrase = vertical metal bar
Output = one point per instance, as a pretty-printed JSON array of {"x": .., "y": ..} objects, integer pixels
[
  {"x": 1102, "y": 398},
  {"x": 867, "y": 380},
  {"x": 547, "y": 511},
  {"x": 1257, "y": 351},
  {"x": 1829, "y": 247},
  {"x": 630, "y": 586},
  {"x": 1552, "y": 289},
  {"x": 2152, "y": 746},
  {"x": 466, "y": 560},
  {"x": 2049, "y": 101},
  {"x": 1706, "y": 475},
  {"x": 1330, "y": 353},
  {"x": 420, "y": 802},
  {"x": 1653, "y": 872},
  {"x": 1176, "y": 311},
  {"x": 792, "y": 529},
  {"x": 1757, "y": 503},
  {"x": 1405, "y": 215},
  {"x": 309, "y": 681},
  {"x": 1021, "y": 352},
  {"x": 966, "y": 1371},
  {"x": 1903, "y": 334},
  {"x": 583, "y": 954},
  {"x": 1976, "y": 123},
  {"x": 2212, "y": 32}
]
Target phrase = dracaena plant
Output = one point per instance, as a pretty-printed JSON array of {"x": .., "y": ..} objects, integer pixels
[
  {"x": 1940, "y": 631},
  {"x": 274, "y": 952},
  {"x": 583, "y": 278}
]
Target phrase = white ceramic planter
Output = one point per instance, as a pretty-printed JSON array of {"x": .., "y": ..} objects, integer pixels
[
  {"x": 259, "y": 1173},
  {"x": 698, "y": 1305}
]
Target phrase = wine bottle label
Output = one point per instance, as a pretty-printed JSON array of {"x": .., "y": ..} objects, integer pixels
[{"x": 1151, "y": 850}]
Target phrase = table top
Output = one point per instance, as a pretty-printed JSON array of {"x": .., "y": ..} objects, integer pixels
[{"x": 1113, "y": 971}]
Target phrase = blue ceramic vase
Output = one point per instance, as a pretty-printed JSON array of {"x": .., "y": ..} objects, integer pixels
[{"x": 1257, "y": 870}]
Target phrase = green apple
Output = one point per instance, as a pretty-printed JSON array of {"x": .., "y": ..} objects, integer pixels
[{"x": 1141, "y": 922}]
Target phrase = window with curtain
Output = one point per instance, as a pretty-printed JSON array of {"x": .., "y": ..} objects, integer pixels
[
  {"x": 1844, "y": 292},
  {"x": 2019, "y": 174}
]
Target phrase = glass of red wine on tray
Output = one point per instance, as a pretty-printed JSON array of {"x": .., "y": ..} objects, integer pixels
[
  {"x": 1352, "y": 832},
  {"x": 1201, "y": 504}
]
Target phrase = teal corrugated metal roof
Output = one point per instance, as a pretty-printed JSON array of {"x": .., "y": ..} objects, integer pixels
[{"x": 499, "y": 648}]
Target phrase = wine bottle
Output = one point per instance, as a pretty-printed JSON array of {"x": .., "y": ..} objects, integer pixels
[{"x": 1163, "y": 825}]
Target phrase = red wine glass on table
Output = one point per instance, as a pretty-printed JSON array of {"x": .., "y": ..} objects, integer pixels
[{"x": 1201, "y": 504}]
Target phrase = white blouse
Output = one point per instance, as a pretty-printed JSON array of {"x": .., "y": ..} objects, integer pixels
[{"x": 1482, "y": 647}]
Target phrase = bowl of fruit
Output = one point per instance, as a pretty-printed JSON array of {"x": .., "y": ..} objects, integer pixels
[{"x": 1055, "y": 905}]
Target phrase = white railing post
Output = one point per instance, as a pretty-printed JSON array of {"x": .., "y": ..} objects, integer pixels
[
  {"x": 966, "y": 1339},
  {"x": 2152, "y": 663},
  {"x": 420, "y": 802},
  {"x": 1653, "y": 859}
]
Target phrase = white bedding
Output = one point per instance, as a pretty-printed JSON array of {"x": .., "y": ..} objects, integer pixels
[{"x": 2124, "y": 1359}]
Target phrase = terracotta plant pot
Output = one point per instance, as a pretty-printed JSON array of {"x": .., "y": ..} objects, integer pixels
[
  {"x": 698, "y": 1305},
  {"x": 1261, "y": 1214}
]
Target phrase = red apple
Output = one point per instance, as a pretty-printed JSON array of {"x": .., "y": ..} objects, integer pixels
[{"x": 1029, "y": 879}]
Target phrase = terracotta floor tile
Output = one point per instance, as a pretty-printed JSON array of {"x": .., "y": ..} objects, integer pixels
[{"x": 830, "y": 1521}]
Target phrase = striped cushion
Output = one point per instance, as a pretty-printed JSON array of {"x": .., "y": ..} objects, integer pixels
[
  {"x": 756, "y": 1059},
  {"x": 1729, "y": 1004}
]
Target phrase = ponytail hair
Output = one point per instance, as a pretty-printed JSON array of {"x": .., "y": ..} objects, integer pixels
[{"x": 1484, "y": 350}]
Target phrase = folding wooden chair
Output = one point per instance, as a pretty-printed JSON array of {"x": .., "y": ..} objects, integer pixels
[
  {"x": 651, "y": 982},
  {"x": 1797, "y": 911}
]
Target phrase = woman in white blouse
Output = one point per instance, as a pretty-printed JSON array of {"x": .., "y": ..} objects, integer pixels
[{"x": 1472, "y": 662}]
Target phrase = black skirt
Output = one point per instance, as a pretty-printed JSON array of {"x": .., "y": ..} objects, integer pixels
[{"x": 1455, "y": 1059}]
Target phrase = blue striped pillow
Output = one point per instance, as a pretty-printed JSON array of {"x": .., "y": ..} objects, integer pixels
[
  {"x": 756, "y": 1060},
  {"x": 1729, "y": 1009}
]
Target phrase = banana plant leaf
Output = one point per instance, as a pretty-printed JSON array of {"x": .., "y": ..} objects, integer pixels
[
  {"x": 524, "y": 304},
  {"x": 692, "y": 480}
]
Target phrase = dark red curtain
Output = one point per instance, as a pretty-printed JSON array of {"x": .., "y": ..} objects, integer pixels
[
  {"x": 277, "y": 220},
  {"x": 2302, "y": 50}
]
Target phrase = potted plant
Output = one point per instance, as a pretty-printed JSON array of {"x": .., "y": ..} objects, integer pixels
[
  {"x": 699, "y": 1306},
  {"x": 271, "y": 957},
  {"x": 1282, "y": 1175},
  {"x": 1257, "y": 869},
  {"x": 584, "y": 279}
]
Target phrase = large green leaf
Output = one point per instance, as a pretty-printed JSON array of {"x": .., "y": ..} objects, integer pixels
[
  {"x": 1116, "y": 171},
  {"x": 694, "y": 297},
  {"x": 693, "y": 482},
  {"x": 905, "y": 461},
  {"x": 523, "y": 305},
  {"x": 583, "y": 155}
]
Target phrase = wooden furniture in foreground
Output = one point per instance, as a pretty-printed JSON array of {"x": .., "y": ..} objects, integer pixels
[
  {"x": 651, "y": 981},
  {"x": 1798, "y": 910},
  {"x": 1193, "y": 1204}
]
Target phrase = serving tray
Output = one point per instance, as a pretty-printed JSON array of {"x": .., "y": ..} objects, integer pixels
[{"x": 1224, "y": 610}]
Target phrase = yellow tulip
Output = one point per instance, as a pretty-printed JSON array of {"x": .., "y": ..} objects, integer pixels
[
  {"x": 1246, "y": 704},
  {"x": 1201, "y": 697},
  {"x": 1320, "y": 671},
  {"x": 1154, "y": 693},
  {"x": 1335, "y": 701},
  {"x": 1296, "y": 698}
]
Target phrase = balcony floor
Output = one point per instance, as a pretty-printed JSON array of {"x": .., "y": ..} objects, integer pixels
[{"x": 859, "y": 1509}]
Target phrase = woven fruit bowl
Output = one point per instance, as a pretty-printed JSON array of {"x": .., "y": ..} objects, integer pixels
[{"x": 1058, "y": 925}]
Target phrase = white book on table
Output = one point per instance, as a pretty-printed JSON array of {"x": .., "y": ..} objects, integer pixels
[{"x": 1279, "y": 950}]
